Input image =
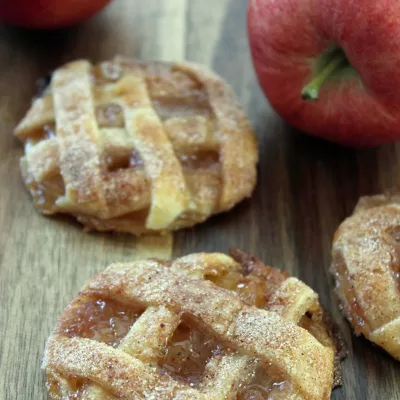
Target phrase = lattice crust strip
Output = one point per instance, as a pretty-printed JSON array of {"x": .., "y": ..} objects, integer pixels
[
  {"x": 366, "y": 266},
  {"x": 180, "y": 292},
  {"x": 78, "y": 137},
  {"x": 170, "y": 195},
  {"x": 137, "y": 147}
]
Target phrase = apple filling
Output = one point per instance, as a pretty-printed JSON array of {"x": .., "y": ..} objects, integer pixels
[
  {"x": 123, "y": 160},
  {"x": 200, "y": 160},
  {"x": 261, "y": 386},
  {"x": 188, "y": 353},
  {"x": 132, "y": 159},
  {"x": 45, "y": 132},
  {"x": 99, "y": 319},
  {"x": 185, "y": 359},
  {"x": 255, "y": 283},
  {"x": 189, "y": 350},
  {"x": 45, "y": 194},
  {"x": 73, "y": 391},
  {"x": 173, "y": 93}
]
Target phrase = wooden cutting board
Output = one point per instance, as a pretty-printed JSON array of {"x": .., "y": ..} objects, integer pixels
[{"x": 306, "y": 187}]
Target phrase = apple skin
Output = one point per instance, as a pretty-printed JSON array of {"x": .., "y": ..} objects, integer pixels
[
  {"x": 287, "y": 36},
  {"x": 48, "y": 14}
]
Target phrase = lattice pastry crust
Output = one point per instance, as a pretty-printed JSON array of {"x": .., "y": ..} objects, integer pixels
[
  {"x": 366, "y": 266},
  {"x": 136, "y": 147},
  {"x": 205, "y": 326}
]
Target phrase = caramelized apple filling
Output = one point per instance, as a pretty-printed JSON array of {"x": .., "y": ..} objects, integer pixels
[
  {"x": 99, "y": 319},
  {"x": 356, "y": 315},
  {"x": 45, "y": 132},
  {"x": 74, "y": 390},
  {"x": 189, "y": 349},
  {"x": 200, "y": 160},
  {"x": 254, "y": 284},
  {"x": 45, "y": 194},
  {"x": 228, "y": 279},
  {"x": 251, "y": 288},
  {"x": 123, "y": 160},
  {"x": 187, "y": 355},
  {"x": 260, "y": 386}
]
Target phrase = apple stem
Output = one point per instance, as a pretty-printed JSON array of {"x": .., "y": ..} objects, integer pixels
[{"x": 310, "y": 92}]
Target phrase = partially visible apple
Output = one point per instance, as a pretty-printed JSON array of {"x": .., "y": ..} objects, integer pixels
[
  {"x": 330, "y": 67},
  {"x": 48, "y": 13}
]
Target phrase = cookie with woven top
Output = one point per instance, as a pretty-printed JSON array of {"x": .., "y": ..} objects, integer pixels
[
  {"x": 366, "y": 267},
  {"x": 137, "y": 147},
  {"x": 204, "y": 326}
]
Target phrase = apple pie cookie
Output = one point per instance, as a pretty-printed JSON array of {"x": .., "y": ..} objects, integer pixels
[
  {"x": 366, "y": 266},
  {"x": 137, "y": 147},
  {"x": 204, "y": 326}
]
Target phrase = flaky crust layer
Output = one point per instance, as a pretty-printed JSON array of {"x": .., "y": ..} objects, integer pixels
[
  {"x": 137, "y": 147},
  {"x": 366, "y": 266},
  {"x": 287, "y": 334}
]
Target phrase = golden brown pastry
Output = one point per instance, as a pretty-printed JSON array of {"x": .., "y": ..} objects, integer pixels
[
  {"x": 204, "y": 326},
  {"x": 137, "y": 147},
  {"x": 366, "y": 266}
]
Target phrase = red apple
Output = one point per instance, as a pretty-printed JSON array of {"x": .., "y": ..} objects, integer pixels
[
  {"x": 330, "y": 67},
  {"x": 48, "y": 13}
]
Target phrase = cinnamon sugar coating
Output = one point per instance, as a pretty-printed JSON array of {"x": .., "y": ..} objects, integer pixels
[
  {"x": 195, "y": 334},
  {"x": 137, "y": 147},
  {"x": 366, "y": 266}
]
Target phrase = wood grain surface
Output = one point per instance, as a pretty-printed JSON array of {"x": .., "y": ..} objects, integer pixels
[{"x": 305, "y": 188}]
